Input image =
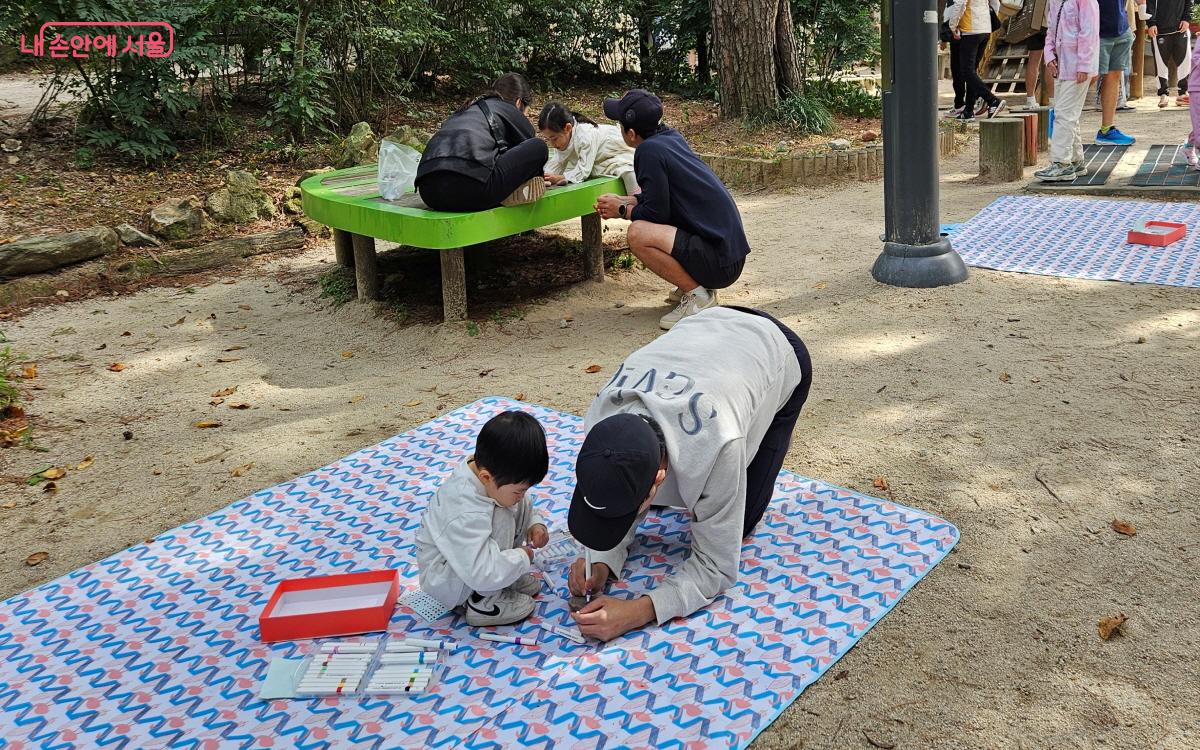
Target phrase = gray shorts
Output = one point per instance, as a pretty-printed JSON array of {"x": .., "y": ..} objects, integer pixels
[{"x": 1116, "y": 52}]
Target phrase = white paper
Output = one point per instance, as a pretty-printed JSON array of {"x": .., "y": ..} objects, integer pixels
[{"x": 333, "y": 599}]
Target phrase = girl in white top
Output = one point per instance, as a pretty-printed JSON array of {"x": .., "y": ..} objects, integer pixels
[{"x": 583, "y": 150}]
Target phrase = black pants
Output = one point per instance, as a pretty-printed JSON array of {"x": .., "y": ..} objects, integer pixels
[
  {"x": 970, "y": 46},
  {"x": 956, "y": 76},
  {"x": 1172, "y": 48},
  {"x": 451, "y": 191},
  {"x": 765, "y": 466}
]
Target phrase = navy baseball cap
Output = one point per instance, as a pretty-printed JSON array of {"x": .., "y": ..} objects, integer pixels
[
  {"x": 638, "y": 110},
  {"x": 615, "y": 470}
]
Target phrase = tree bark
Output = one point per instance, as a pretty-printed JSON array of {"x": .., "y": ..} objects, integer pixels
[
  {"x": 645, "y": 43},
  {"x": 757, "y": 56}
]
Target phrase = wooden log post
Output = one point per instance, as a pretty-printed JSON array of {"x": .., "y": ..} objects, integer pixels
[
  {"x": 343, "y": 248},
  {"x": 1030, "y": 121},
  {"x": 1043, "y": 128},
  {"x": 1001, "y": 149},
  {"x": 454, "y": 285},
  {"x": 593, "y": 247},
  {"x": 366, "y": 267},
  {"x": 1137, "y": 71}
]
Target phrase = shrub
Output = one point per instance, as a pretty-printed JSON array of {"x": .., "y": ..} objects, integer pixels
[{"x": 806, "y": 113}]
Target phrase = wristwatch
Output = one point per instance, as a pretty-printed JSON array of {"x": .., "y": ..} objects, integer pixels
[{"x": 622, "y": 210}]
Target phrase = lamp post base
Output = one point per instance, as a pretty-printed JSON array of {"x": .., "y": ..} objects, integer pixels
[{"x": 919, "y": 266}]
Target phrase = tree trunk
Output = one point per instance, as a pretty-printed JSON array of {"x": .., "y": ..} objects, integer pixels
[
  {"x": 756, "y": 55},
  {"x": 301, "y": 35},
  {"x": 645, "y": 44},
  {"x": 787, "y": 56}
]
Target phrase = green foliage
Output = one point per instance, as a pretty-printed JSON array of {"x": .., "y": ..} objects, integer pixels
[
  {"x": 9, "y": 394},
  {"x": 846, "y": 98},
  {"x": 806, "y": 113},
  {"x": 834, "y": 36},
  {"x": 85, "y": 158},
  {"x": 338, "y": 285}
]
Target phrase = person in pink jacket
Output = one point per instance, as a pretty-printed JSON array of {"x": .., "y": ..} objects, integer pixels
[
  {"x": 1073, "y": 59},
  {"x": 1192, "y": 149}
]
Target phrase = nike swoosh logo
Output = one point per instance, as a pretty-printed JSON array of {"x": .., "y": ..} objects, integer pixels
[
  {"x": 593, "y": 507},
  {"x": 495, "y": 610}
]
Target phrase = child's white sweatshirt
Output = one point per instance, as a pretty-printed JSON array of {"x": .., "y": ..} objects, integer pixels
[{"x": 594, "y": 150}]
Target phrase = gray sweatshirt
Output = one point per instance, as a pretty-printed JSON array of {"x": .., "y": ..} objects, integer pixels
[
  {"x": 713, "y": 383},
  {"x": 467, "y": 543}
]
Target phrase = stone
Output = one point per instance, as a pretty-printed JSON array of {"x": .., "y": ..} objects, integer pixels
[
  {"x": 176, "y": 219},
  {"x": 133, "y": 237},
  {"x": 870, "y": 136},
  {"x": 241, "y": 200},
  {"x": 11, "y": 145},
  {"x": 312, "y": 173},
  {"x": 14, "y": 159},
  {"x": 291, "y": 201},
  {"x": 839, "y": 144},
  {"x": 311, "y": 227},
  {"x": 47, "y": 252},
  {"x": 360, "y": 147},
  {"x": 407, "y": 135},
  {"x": 783, "y": 147}
]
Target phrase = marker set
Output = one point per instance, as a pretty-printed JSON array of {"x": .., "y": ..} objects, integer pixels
[{"x": 409, "y": 666}]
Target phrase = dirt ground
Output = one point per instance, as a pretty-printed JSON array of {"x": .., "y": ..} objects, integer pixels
[{"x": 997, "y": 648}]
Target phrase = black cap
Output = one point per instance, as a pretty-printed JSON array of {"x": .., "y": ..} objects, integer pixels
[
  {"x": 638, "y": 110},
  {"x": 615, "y": 470}
]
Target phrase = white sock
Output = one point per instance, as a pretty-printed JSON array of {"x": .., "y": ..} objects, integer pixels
[{"x": 701, "y": 294}]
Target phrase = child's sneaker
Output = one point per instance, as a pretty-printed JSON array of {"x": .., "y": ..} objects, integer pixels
[
  {"x": 1189, "y": 153},
  {"x": 531, "y": 190},
  {"x": 950, "y": 114},
  {"x": 1030, "y": 103},
  {"x": 1056, "y": 172},
  {"x": 501, "y": 608},
  {"x": 1183, "y": 100},
  {"x": 527, "y": 585},
  {"x": 1164, "y": 101},
  {"x": 996, "y": 109}
]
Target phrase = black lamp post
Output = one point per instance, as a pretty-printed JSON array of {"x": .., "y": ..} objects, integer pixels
[{"x": 914, "y": 252}]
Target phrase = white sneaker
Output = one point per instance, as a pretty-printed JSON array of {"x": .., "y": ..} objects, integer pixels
[
  {"x": 1164, "y": 101},
  {"x": 674, "y": 297},
  {"x": 688, "y": 305},
  {"x": 1030, "y": 103},
  {"x": 1193, "y": 158},
  {"x": 531, "y": 190},
  {"x": 1080, "y": 170},
  {"x": 1057, "y": 172},
  {"x": 527, "y": 585},
  {"x": 950, "y": 114},
  {"x": 501, "y": 608}
]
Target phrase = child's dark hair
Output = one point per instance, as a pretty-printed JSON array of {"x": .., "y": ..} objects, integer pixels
[
  {"x": 510, "y": 87},
  {"x": 555, "y": 116},
  {"x": 512, "y": 446}
]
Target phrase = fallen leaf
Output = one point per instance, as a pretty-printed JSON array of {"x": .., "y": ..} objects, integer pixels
[
  {"x": 413, "y": 403},
  {"x": 1123, "y": 527},
  {"x": 51, "y": 487},
  {"x": 520, "y": 396},
  {"x": 207, "y": 424},
  {"x": 101, "y": 347},
  {"x": 485, "y": 373},
  {"x": 8, "y": 506},
  {"x": 357, "y": 398},
  {"x": 1005, "y": 377},
  {"x": 216, "y": 402},
  {"x": 1109, "y": 626},
  {"x": 592, "y": 369},
  {"x": 116, "y": 367},
  {"x": 37, "y": 558},
  {"x": 177, "y": 323},
  {"x": 54, "y": 472},
  {"x": 126, "y": 333},
  {"x": 225, "y": 392},
  {"x": 239, "y": 405},
  {"x": 243, "y": 307},
  {"x": 820, "y": 285},
  {"x": 881, "y": 484},
  {"x": 241, "y": 471},
  {"x": 347, "y": 355},
  {"x": 30, "y": 371},
  {"x": 86, "y": 462},
  {"x": 227, "y": 360},
  {"x": 235, "y": 348}
]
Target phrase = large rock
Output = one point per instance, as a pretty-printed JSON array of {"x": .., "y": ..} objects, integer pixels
[
  {"x": 292, "y": 201},
  {"x": 360, "y": 147},
  {"x": 47, "y": 252},
  {"x": 409, "y": 136},
  {"x": 131, "y": 236},
  {"x": 312, "y": 173},
  {"x": 177, "y": 219},
  {"x": 241, "y": 201}
]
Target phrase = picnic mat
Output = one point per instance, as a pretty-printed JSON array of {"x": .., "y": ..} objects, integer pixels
[
  {"x": 1165, "y": 166},
  {"x": 1100, "y": 160},
  {"x": 1080, "y": 238},
  {"x": 157, "y": 646}
]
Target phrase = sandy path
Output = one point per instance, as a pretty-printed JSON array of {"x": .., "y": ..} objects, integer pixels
[{"x": 997, "y": 648}]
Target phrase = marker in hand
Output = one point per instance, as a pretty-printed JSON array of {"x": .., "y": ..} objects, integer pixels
[{"x": 587, "y": 558}]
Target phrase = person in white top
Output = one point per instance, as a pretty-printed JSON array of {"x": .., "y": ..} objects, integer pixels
[{"x": 583, "y": 150}]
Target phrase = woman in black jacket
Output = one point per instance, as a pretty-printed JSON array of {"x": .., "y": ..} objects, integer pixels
[{"x": 486, "y": 154}]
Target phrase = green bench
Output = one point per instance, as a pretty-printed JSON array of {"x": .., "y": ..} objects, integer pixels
[{"x": 348, "y": 201}]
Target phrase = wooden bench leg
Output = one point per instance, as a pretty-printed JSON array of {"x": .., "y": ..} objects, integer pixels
[
  {"x": 366, "y": 267},
  {"x": 454, "y": 285},
  {"x": 593, "y": 247},
  {"x": 343, "y": 248}
]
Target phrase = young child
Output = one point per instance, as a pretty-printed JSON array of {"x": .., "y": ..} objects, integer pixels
[
  {"x": 1072, "y": 56},
  {"x": 1192, "y": 149},
  {"x": 475, "y": 544},
  {"x": 583, "y": 149}
]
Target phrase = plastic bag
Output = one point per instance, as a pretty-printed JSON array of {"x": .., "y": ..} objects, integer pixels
[{"x": 397, "y": 169}]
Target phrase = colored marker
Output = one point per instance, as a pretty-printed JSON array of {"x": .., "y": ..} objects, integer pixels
[
  {"x": 423, "y": 657},
  {"x": 587, "y": 558},
  {"x": 348, "y": 648},
  {"x": 561, "y": 632},
  {"x": 427, "y": 643},
  {"x": 524, "y": 640}
]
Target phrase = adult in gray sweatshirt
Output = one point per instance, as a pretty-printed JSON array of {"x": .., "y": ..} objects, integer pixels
[{"x": 700, "y": 418}]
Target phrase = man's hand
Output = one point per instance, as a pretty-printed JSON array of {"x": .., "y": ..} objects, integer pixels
[
  {"x": 606, "y": 205},
  {"x": 1152, "y": 31},
  {"x": 1052, "y": 68},
  {"x": 606, "y": 618},
  {"x": 538, "y": 535},
  {"x": 579, "y": 584}
]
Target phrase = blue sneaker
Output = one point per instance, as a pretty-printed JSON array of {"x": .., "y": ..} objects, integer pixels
[{"x": 1114, "y": 137}]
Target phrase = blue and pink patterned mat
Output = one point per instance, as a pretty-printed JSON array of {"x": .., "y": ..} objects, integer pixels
[
  {"x": 158, "y": 645},
  {"x": 1080, "y": 238}
]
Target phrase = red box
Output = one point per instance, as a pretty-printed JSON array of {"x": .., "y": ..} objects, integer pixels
[
  {"x": 1166, "y": 233},
  {"x": 344, "y": 604}
]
